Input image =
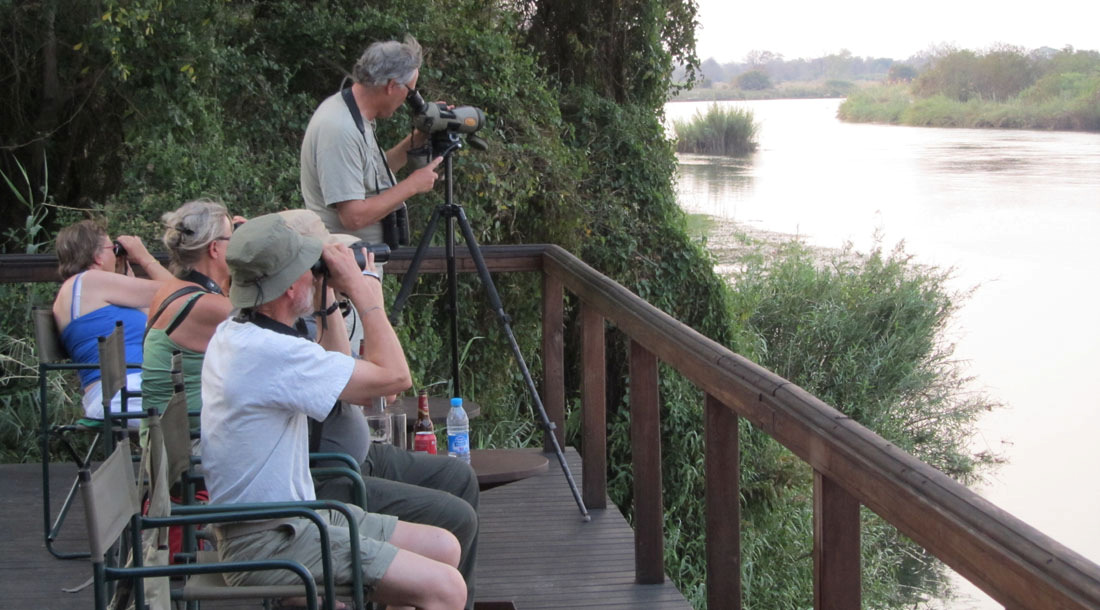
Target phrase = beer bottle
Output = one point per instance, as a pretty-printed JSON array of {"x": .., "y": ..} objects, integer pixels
[{"x": 424, "y": 431}]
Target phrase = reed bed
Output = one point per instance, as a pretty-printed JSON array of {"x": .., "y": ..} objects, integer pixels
[{"x": 723, "y": 130}]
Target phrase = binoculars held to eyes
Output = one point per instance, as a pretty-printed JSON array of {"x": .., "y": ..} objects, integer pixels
[{"x": 381, "y": 254}]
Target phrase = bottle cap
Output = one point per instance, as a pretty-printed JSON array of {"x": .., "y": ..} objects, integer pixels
[{"x": 456, "y": 402}]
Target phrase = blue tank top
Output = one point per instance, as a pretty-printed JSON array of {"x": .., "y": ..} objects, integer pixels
[{"x": 81, "y": 336}]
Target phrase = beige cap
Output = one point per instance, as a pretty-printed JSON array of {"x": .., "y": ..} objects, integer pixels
[{"x": 307, "y": 222}]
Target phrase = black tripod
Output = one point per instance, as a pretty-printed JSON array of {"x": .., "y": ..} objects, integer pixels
[{"x": 454, "y": 212}]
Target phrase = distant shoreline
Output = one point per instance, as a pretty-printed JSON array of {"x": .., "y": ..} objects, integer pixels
[
  {"x": 895, "y": 105},
  {"x": 793, "y": 92}
]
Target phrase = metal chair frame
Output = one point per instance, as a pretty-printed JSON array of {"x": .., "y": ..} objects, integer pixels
[
  {"x": 52, "y": 357},
  {"x": 108, "y": 524},
  {"x": 176, "y": 438}
]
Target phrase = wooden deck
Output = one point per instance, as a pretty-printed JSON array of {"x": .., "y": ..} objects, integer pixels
[{"x": 535, "y": 550}]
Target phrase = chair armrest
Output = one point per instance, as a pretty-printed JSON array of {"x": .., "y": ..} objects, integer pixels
[
  {"x": 342, "y": 457},
  {"x": 223, "y": 567},
  {"x": 234, "y": 513},
  {"x": 353, "y": 475}
]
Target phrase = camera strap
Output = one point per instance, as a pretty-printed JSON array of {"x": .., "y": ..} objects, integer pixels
[
  {"x": 353, "y": 108},
  {"x": 207, "y": 283},
  {"x": 393, "y": 223},
  {"x": 250, "y": 315}
]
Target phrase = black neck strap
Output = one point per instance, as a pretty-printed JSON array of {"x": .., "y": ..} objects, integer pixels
[
  {"x": 353, "y": 108},
  {"x": 197, "y": 277},
  {"x": 267, "y": 323}
]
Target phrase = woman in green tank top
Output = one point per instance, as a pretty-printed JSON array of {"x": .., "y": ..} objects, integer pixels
[{"x": 187, "y": 309}]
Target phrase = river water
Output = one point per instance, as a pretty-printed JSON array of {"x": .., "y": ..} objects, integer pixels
[{"x": 1015, "y": 214}]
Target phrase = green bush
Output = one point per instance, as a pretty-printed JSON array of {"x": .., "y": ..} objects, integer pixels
[
  {"x": 864, "y": 334},
  {"x": 723, "y": 130},
  {"x": 883, "y": 104},
  {"x": 754, "y": 80},
  {"x": 19, "y": 409}
]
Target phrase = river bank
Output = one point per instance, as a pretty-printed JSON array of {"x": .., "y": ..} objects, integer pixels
[
  {"x": 896, "y": 105},
  {"x": 730, "y": 241}
]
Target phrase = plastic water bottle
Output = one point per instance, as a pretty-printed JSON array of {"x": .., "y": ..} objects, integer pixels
[{"x": 458, "y": 431}]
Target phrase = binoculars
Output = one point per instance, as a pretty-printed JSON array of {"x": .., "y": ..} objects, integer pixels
[{"x": 381, "y": 254}]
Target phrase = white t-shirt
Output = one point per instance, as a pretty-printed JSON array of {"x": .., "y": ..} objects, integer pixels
[{"x": 258, "y": 387}]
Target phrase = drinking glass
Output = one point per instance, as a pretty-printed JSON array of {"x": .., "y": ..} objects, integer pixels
[
  {"x": 399, "y": 431},
  {"x": 378, "y": 422}
]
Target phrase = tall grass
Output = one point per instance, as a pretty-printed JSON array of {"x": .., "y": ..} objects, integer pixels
[
  {"x": 865, "y": 334},
  {"x": 876, "y": 105},
  {"x": 19, "y": 409},
  {"x": 721, "y": 131}
]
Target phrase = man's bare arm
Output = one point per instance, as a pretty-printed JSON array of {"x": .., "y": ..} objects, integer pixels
[{"x": 358, "y": 213}]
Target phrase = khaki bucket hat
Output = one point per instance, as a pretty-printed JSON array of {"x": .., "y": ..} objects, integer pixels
[{"x": 265, "y": 257}]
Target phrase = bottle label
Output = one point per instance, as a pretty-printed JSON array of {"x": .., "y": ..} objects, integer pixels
[
  {"x": 458, "y": 444},
  {"x": 424, "y": 442}
]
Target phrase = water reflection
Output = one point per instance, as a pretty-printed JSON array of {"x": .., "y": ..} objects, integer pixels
[{"x": 707, "y": 184}]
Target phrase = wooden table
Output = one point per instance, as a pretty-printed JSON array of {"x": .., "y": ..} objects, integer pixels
[
  {"x": 437, "y": 407},
  {"x": 495, "y": 467}
]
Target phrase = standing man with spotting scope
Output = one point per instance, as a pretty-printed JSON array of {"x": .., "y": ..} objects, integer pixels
[
  {"x": 347, "y": 179},
  {"x": 346, "y": 176}
]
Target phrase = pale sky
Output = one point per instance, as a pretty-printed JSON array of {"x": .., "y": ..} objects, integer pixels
[{"x": 729, "y": 29}]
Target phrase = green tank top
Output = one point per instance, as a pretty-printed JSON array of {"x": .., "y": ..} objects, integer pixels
[{"x": 156, "y": 370}]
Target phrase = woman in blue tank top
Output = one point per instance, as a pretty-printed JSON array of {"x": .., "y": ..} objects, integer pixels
[{"x": 93, "y": 297}]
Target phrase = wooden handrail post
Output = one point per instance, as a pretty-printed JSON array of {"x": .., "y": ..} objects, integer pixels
[
  {"x": 645, "y": 443},
  {"x": 553, "y": 357},
  {"x": 837, "y": 582},
  {"x": 723, "y": 473},
  {"x": 593, "y": 408}
]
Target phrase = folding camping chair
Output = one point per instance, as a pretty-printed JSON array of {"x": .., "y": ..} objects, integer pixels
[
  {"x": 175, "y": 452},
  {"x": 52, "y": 357},
  {"x": 112, "y": 505}
]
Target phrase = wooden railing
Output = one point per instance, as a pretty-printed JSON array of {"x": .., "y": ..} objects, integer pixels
[{"x": 1012, "y": 562}]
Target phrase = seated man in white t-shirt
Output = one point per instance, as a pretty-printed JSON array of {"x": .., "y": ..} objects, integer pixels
[{"x": 260, "y": 383}]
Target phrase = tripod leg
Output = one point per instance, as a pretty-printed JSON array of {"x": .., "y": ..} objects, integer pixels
[
  {"x": 505, "y": 322},
  {"x": 452, "y": 302},
  {"x": 409, "y": 279}
]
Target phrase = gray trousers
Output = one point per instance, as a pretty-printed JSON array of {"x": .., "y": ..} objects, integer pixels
[{"x": 420, "y": 488}]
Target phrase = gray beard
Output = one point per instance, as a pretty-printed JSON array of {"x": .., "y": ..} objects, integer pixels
[{"x": 304, "y": 307}]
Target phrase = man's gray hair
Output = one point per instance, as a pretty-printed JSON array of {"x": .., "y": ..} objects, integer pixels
[{"x": 387, "y": 60}]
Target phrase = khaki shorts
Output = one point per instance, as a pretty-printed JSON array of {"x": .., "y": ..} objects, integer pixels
[{"x": 298, "y": 540}]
